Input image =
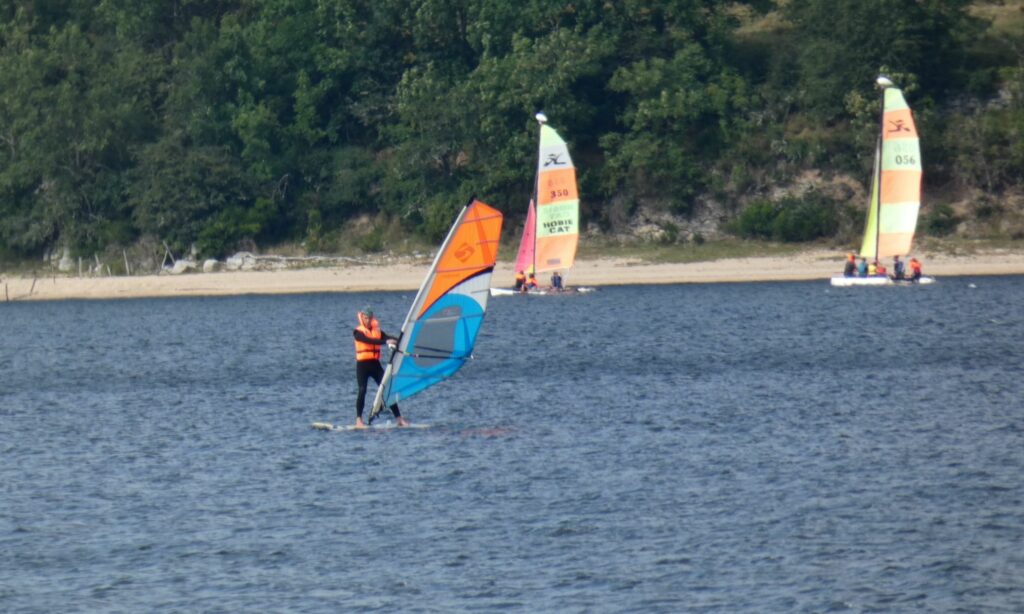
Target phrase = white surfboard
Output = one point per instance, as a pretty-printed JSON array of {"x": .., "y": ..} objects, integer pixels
[{"x": 375, "y": 427}]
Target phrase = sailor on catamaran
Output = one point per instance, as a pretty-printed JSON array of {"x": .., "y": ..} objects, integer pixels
[
  {"x": 520, "y": 281},
  {"x": 369, "y": 338}
]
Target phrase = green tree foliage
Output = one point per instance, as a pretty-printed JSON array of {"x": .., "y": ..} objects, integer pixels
[
  {"x": 843, "y": 45},
  {"x": 218, "y": 124}
]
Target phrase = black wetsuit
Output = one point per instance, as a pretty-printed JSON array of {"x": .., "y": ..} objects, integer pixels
[{"x": 365, "y": 369}]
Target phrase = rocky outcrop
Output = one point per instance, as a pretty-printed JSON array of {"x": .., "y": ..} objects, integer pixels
[{"x": 184, "y": 266}]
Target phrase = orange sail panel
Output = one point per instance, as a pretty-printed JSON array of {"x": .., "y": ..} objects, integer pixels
[{"x": 471, "y": 249}]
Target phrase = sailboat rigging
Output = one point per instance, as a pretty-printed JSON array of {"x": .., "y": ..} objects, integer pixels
[{"x": 441, "y": 327}]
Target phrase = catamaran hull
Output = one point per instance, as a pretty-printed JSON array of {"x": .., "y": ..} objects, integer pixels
[
  {"x": 848, "y": 282},
  {"x": 511, "y": 292}
]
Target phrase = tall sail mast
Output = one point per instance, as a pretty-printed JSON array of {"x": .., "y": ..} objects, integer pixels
[
  {"x": 541, "y": 120},
  {"x": 883, "y": 83}
]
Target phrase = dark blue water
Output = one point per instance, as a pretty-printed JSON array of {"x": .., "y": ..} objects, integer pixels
[{"x": 729, "y": 448}]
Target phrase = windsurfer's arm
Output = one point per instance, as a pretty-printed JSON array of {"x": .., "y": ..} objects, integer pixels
[{"x": 360, "y": 336}]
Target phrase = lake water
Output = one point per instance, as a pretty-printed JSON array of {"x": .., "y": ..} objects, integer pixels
[{"x": 771, "y": 447}]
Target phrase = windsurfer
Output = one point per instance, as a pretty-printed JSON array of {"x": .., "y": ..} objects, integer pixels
[{"x": 368, "y": 339}]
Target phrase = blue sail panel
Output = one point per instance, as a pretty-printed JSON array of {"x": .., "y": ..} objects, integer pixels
[{"x": 439, "y": 344}]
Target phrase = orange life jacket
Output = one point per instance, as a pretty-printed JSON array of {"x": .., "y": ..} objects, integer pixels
[
  {"x": 532, "y": 282},
  {"x": 915, "y": 266},
  {"x": 520, "y": 278},
  {"x": 367, "y": 351}
]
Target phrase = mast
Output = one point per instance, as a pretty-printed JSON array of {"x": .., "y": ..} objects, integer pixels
[
  {"x": 883, "y": 82},
  {"x": 541, "y": 120}
]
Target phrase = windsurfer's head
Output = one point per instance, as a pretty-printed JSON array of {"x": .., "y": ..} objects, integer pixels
[{"x": 366, "y": 317}]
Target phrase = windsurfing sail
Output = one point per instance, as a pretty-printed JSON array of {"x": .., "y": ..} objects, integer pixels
[
  {"x": 442, "y": 325},
  {"x": 896, "y": 180},
  {"x": 554, "y": 228}
]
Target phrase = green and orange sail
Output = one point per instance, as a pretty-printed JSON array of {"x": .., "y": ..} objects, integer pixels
[
  {"x": 552, "y": 230},
  {"x": 896, "y": 181}
]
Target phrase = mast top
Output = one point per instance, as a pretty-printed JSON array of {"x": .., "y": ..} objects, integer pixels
[
  {"x": 541, "y": 118},
  {"x": 884, "y": 82}
]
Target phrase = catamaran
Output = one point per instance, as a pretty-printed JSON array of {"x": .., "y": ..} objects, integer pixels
[
  {"x": 895, "y": 188},
  {"x": 551, "y": 233}
]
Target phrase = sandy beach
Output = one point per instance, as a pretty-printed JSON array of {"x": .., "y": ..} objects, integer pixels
[{"x": 818, "y": 264}]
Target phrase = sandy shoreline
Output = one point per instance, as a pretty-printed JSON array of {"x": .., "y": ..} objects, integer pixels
[{"x": 809, "y": 265}]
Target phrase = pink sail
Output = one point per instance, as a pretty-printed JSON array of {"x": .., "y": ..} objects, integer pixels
[{"x": 524, "y": 260}]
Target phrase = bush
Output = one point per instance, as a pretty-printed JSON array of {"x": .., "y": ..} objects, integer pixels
[
  {"x": 941, "y": 220},
  {"x": 756, "y": 221},
  {"x": 791, "y": 220}
]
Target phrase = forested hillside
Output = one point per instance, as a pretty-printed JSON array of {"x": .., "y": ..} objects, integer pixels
[{"x": 226, "y": 124}]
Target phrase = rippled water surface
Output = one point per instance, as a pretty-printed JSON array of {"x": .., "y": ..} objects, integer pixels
[{"x": 729, "y": 448}]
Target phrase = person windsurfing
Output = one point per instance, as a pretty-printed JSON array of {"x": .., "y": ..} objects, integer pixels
[{"x": 368, "y": 339}]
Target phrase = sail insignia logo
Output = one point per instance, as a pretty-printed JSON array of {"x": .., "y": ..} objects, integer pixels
[
  {"x": 897, "y": 126},
  {"x": 464, "y": 252},
  {"x": 554, "y": 159}
]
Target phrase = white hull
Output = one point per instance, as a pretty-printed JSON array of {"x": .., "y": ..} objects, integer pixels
[
  {"x": 847, "y": 282},
  {"x": 545, "y": 292}
]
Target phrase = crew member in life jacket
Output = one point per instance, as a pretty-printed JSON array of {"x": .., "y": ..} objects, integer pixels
[
  {"x": 556, "y": 282},
  {"x": 880, "y": 269},
  {"x": 520, "y": 281},
  {"x": 531, "y": 283},
  {"x": 898, "y": 272},
  {"x": 915, "y": 270},
  {"x": 862, "y": 268},
  {"x": 369, "y": 338},
  {"x": 850, "y": 269}
]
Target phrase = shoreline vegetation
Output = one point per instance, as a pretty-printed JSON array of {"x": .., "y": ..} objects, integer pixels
[{"x": 654, "y": 265}]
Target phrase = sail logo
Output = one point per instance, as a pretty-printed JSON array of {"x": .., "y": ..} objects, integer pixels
[
  {"x": 464, "y": 252},
  {"x": 898, "y": 126},
  {"x": 554, "y": 159}
]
